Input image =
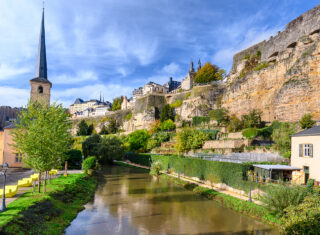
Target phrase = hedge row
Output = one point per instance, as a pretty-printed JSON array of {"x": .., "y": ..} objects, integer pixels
[{"x": 232, "y": 174}]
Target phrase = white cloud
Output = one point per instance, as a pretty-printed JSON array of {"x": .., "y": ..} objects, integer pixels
[
  {"x": 171, "y": 69},
  {"x": 7, "y": 71},
  {"x": 80, "y": 76},
  {"x": 14, "y": 97}
]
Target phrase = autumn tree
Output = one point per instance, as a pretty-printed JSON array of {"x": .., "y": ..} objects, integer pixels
[
  {"x": 209, "y": 73},
  {"x": 116, "y": 104},
  {"x": 42, "y": 137}
]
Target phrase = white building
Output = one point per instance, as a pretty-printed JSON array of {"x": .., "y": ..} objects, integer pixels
[{"x": 154, "y": 88}]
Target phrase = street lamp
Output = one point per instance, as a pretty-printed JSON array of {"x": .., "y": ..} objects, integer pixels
[
  {"x": 4, "y": 171},
  {"x": 250, "y": 177}
]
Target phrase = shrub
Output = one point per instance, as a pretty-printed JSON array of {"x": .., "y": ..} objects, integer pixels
[
  {"x": 235, "y": 124},
  {"x": 198, "y": 120},
  {"x": 104, "y": 130},
  {"x": 90, "y": 146},
  {"x": 209, "y": 73},
  {"x": 188, "y": 95},
  {"x": 89, "y": 163},
  {"x": 250, "y": 133},
  {"x": 265, "y": 132},
  {"x": 211, "y": 133},
  {"x": 282, "y": 136},
  {"x": 155, "y": 169},
  {"x": 157, "y": 139},
  {"x": 188, "y": 139},
  {"x": 253, "y": 119},
  {"x": 116, "y": 104},
  {"x": 112, "y": 126},
  {"x": 220, "y": 115},
  {"x": 83, "y": 129},
  {"x": 74, "y": 158},
  {"x": 167, "y": 113},
  {"x": 109, "y": 149},
  {"x": 261, "y": 66},
  {"x": 176, "y": 104},
  {"x": 156, "y": 126},
  {"x": 306, "y": 121},
  {"x": 303, "y": 218},
  {"x": 129, "y": 116},
  {"x": 279, "y": 197},
  {"x": 138, "y": 140},
  {"x": 168, "y": 125}
]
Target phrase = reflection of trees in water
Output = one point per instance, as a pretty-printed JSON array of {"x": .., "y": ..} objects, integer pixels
[{"x": 160, "y": 206}]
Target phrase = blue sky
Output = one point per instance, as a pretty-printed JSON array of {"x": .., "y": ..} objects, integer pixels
[{"x": 115, "y": 46}]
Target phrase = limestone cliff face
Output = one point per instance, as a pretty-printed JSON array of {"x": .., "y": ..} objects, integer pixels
[{"x": 285, "y": 90}]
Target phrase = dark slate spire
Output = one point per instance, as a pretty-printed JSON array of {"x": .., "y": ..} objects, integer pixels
[{"x": 41, "y": 71}]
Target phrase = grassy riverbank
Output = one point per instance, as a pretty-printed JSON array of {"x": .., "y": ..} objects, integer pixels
[{"x": 48, "y": 213}]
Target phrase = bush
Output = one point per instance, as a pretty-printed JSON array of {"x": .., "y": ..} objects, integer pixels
[
  {"x": 103, "y": 131},
  {"x": 282, "y": 136},
  {"x": 90, "y": 146},
  {"x": 198, "y": 120},
  {"x": 168, "y": 125},
  {"x": 303, "y": 218},
  {"x": 138, "y": 140},
  {"x": 279, "y": 197},
  {"x": 157, "y": 139},
  {"x": 89, "y": 163},
  {"x": 84, "y": 129},
  {"x": 176, "y": 104},
  {"x": 110, "y": 148},
  {"x": 209, "y": 73},
  {"x": 265, "y": 132},
  {"x": 211, "y": 133},
  {"x": 220, "y": 116},
  {"x": 74, "y": 158},
  {"x": 116, "y": 104},
  {"x": 235, "y": 124},
  {"x": 188, "y": 139},
  {"x": 155, "y": 169},
  {"x": 250, "y": 133},
  {"x": 128, "y": 117},
  {"x": 156, "y": 126},
  {"x": 167, "y": 113},
  {"x": 306, "y": 121},
  {"x": 253, "y": 119}
]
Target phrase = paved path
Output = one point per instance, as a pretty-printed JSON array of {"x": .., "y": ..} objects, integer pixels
[{"x": 224, "y": 191}]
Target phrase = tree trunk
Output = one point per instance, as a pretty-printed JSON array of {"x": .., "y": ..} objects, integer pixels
[
  {"x": 45, "y": 182},
  {"x": 39, "y": 182}
]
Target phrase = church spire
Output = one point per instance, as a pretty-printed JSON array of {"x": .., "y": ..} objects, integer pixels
[{"x": 41, "y": 70}]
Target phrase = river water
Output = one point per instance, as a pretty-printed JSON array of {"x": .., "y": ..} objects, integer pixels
[{"x": 130, "y": 201}]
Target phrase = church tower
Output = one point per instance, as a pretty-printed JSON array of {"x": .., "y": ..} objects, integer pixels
[{"x": 40, "y": 85}]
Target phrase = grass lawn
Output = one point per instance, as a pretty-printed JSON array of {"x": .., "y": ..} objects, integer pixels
[{"x": 48, "y": 213}]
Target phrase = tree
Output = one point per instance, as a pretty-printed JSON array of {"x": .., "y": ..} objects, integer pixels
[
  {"x": 116, "y": 104},
  {"x": 82, "y": 128},
  {"x": 235, "y": 124},
  {"x": 306, "y": 121},
  {"x": 282, "y": 136},
  {"x": 138, "y": 140},
  {"x": 90, "y": 129},
  {"x": 74, "y": 158},
  {"x": 113, "y": 126},
  {"x": 167, "y": 113},
  {"x": 90, "y": 147},
  {"x": 168, "y": 125},
  {"x": 209, "y": 73},
  {"x": 253, "y": 119},
  {"x": 219, "y": 115},
  {"x": 103, "y": 130},
  {"x": 42, "y": 137},
  {"x": 109, "y": 149}
]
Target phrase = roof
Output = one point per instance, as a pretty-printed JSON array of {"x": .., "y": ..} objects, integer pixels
[
  {"x": 78, "y": 101},
  {"x": 43, "y": 80},
  {"x": 277, "y": 167},
  {"x": 309, "y": 132}
]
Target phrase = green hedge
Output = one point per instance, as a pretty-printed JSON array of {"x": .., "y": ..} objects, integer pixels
[
  {"x": 232, "y": 174},
  {"x": 198, "y": 120}
]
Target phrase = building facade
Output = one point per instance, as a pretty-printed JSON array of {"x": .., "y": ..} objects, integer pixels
[
  {"x": 187, "y": 83},
  {"x": 80, "y": 106},
  {"x": 305, "y": 152}
]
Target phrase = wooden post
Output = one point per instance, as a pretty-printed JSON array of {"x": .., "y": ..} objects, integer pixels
[
  {"x": 33, "y": 186},
  {"x": 66, "y": 168}
]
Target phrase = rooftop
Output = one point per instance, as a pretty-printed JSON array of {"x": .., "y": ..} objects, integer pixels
[
  {"x": 309, "y": 132},
  {"x": 277, "y": 167}
]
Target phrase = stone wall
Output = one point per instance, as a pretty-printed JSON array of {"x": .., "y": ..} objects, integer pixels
[
  {"x": 306, "y": 24},
  {"x": 224, "y": 144},
  {"x": 1, "y": 146}
]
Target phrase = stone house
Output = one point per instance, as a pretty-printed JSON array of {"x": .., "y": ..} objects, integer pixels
[
  {"x": 154, "y": 88},
  {"x": 79, "y": 105},
  {"x": 305, "y": 152}
]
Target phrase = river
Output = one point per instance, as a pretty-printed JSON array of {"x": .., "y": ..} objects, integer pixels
[{"x": 130, "y": 201}]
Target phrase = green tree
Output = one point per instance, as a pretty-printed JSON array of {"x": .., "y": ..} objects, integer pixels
[
  {"x": 138, "y": 140},
  {"x": 42, "y": 136},
  {"x": 219, "y": 115},
  {"x": 168, "y": 125},
  {"x": 104, "y": 130},
  {"x": 209, "y": 73},
  {"x": 116, "y": 104},
  {"x": 235, "y": 124},
  {"x": 113, "y": 126},
  {"x": 253, "y": 119},
  {"x": 282, "y": 136},
  {"x": 74, "y": 158},
  {"x": 82, "y": 128},
  {"x": 90, "y": 147},
  {"x": 306, "y": 121},
  {"x": 109, "y": 149},
  {"x": 167, "y": 113},
  {"x": 90, "y": 129}
]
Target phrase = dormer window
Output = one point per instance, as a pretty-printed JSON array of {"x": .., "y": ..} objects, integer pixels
[{"x": 40, "y": 89}]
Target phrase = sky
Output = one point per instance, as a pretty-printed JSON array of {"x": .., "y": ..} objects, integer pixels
[{"x": 113, "y": 46}]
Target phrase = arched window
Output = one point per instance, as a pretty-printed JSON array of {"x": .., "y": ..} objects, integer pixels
[{"x": 40, "y": 89}]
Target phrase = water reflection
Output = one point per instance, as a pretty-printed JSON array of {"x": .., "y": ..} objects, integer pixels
[{"x": 129, "y": 201}]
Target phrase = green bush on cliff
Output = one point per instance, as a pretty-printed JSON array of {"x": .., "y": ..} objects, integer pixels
[
  {"x": 198, "y": 120},
  {"x": 166, "y": 113},
  {"x": 176, "y": 104},
  {"x": 250, "y": 133},
  {"x": 252, "y": 119},
  {"x": 168, "y": 125},
  {"x": 138, "y": 140},
  {"x": 220, "y": 115},
  {"x": 235, "y": 124},
  {"x": 306, "y": 121},
  {"x": 282, "y": 136},
  {"x": 188, "y": 139}
]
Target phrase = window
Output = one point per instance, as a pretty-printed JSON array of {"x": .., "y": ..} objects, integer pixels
[
  {"x": 305, "y": 150},
  {"x": 40, "y": 89},
  {"x": 17, "y": 158}
]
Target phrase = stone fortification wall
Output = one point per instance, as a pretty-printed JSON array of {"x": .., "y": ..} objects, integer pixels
[{"x": 306, "y": 24}]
